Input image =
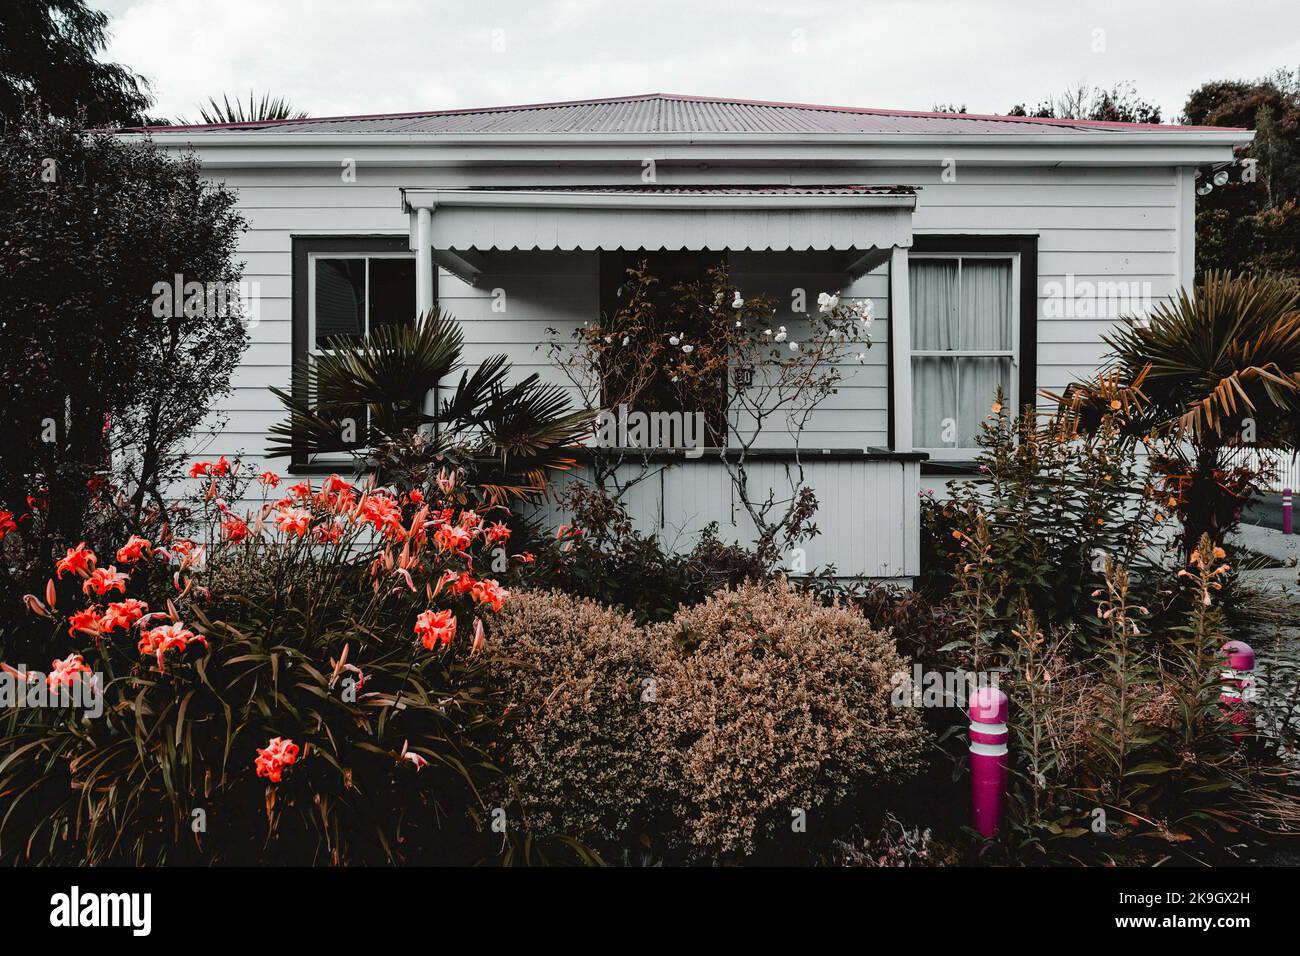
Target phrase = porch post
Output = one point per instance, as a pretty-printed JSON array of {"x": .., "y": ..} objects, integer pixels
[
  {"x": 900, "y": 348},
  {"x": 424, "y": 283},
  {"x": 423, "y": 262}
]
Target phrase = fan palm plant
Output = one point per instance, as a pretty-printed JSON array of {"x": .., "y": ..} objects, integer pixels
[
  {"x": 511, "y": 435},
  {"x": 1205, "y": 375},
  {"x": 256, "y": 111}
]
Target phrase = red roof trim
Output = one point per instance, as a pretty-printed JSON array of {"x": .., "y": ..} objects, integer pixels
[{"x": 774, "y": 104}]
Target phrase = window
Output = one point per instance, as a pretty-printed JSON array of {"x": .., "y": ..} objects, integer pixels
[
  {"x": 348, "y": 296},
  {"x": 344, "y": 288},
  {"x": 965, "y": 312}
]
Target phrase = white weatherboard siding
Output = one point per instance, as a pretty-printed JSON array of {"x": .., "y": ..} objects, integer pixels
[
  {"x": 1094, "y": 223},
  {"x": 1097, "y": 224}
]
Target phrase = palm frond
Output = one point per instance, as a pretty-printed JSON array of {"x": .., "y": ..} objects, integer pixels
[
  {"x": 1202, "y": 364},
  {"x": 518, "y": 434},
  {"x": 255, "y": 111}
]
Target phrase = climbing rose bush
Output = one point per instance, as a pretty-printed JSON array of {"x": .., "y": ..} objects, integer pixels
[{"x": 299, "y": 682}]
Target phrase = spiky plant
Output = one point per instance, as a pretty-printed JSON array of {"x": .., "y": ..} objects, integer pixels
[
  {"x": 254, "y": 111},
  {"x": 512, "y": 436},
  {"x": 1203, "y": 376}
]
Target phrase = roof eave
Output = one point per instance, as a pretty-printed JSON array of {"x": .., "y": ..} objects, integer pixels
[{"x": 1080, "y": 138}]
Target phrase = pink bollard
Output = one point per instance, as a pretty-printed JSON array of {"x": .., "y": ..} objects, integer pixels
[
  {"x": 988, "y": 758},
  {"x": 1286, "y": 511},
  {"x": 1240, "y": 659}
]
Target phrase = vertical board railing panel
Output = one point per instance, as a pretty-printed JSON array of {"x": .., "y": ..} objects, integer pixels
[
  {"x": 868, "y": 513},
  {"x": 1286, "y": 466}
]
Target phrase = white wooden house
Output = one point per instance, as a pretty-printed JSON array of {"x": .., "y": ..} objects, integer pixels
[{"x": 1018, "y": 243}]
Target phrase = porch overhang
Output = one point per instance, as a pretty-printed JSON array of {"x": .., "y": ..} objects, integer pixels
[
  {"x": 751, "y": 218},
  {"x": 457, "y": 228}
]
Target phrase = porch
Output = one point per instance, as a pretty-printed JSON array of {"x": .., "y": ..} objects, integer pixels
[{"x": 520, "y": 268}]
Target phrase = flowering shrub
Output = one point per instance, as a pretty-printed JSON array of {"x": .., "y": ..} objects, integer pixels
[
  {"x": 576, "y": 677},
  {"x": 343, "y": 623},
  {"x": 769, "y": 703}
]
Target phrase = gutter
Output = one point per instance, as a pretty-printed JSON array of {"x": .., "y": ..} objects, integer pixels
[{"x": 1100, "y": 138}]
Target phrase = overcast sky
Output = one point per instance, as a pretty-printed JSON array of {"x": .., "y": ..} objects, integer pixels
[{"x": 333, "y": 57}]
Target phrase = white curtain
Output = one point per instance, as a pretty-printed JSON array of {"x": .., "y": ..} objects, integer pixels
[
  {"x": 961, "y": 312},
  {"x": 934, "y": 303},
  {"x": 985, "y": 326}
]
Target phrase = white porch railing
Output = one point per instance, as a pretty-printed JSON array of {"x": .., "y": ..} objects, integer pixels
[{"x": 868, "y": 514}]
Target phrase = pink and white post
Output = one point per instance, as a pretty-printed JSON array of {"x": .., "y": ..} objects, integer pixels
[
  {"x": 989, "y": 708},
  {"x": 1237, "y": 681}
]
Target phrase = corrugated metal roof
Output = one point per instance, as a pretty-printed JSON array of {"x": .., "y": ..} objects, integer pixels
[{"x": 669, "y": 113}]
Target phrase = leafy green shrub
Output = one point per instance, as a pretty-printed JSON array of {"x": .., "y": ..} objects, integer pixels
[
  {"x": 577, "y": 679},
  {"x": 770, "y": 702},
  {"x": 344, "y": 620},
  {"x": 1048, "y": 508},
  {"x": 99, "y": 372},
  {"x": 1201, "y": 377},
  {"x": 1125, "y": 754}
]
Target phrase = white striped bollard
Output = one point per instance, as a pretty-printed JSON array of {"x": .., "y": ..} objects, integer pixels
[
  {"x": 988, "y": 758},
  {"x": 1286, "y": 511},
  {"x": 1237, "y": 681}
]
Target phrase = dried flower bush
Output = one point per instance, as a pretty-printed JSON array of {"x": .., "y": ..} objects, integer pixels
[
  {"x": 770, "y": 702},
  {"x": 577, "y": 679}
]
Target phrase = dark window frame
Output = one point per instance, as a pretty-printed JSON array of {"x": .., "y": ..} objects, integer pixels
[
  {"x": 1026, "y": 247},
  {"x": 303, "y": 247}
]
